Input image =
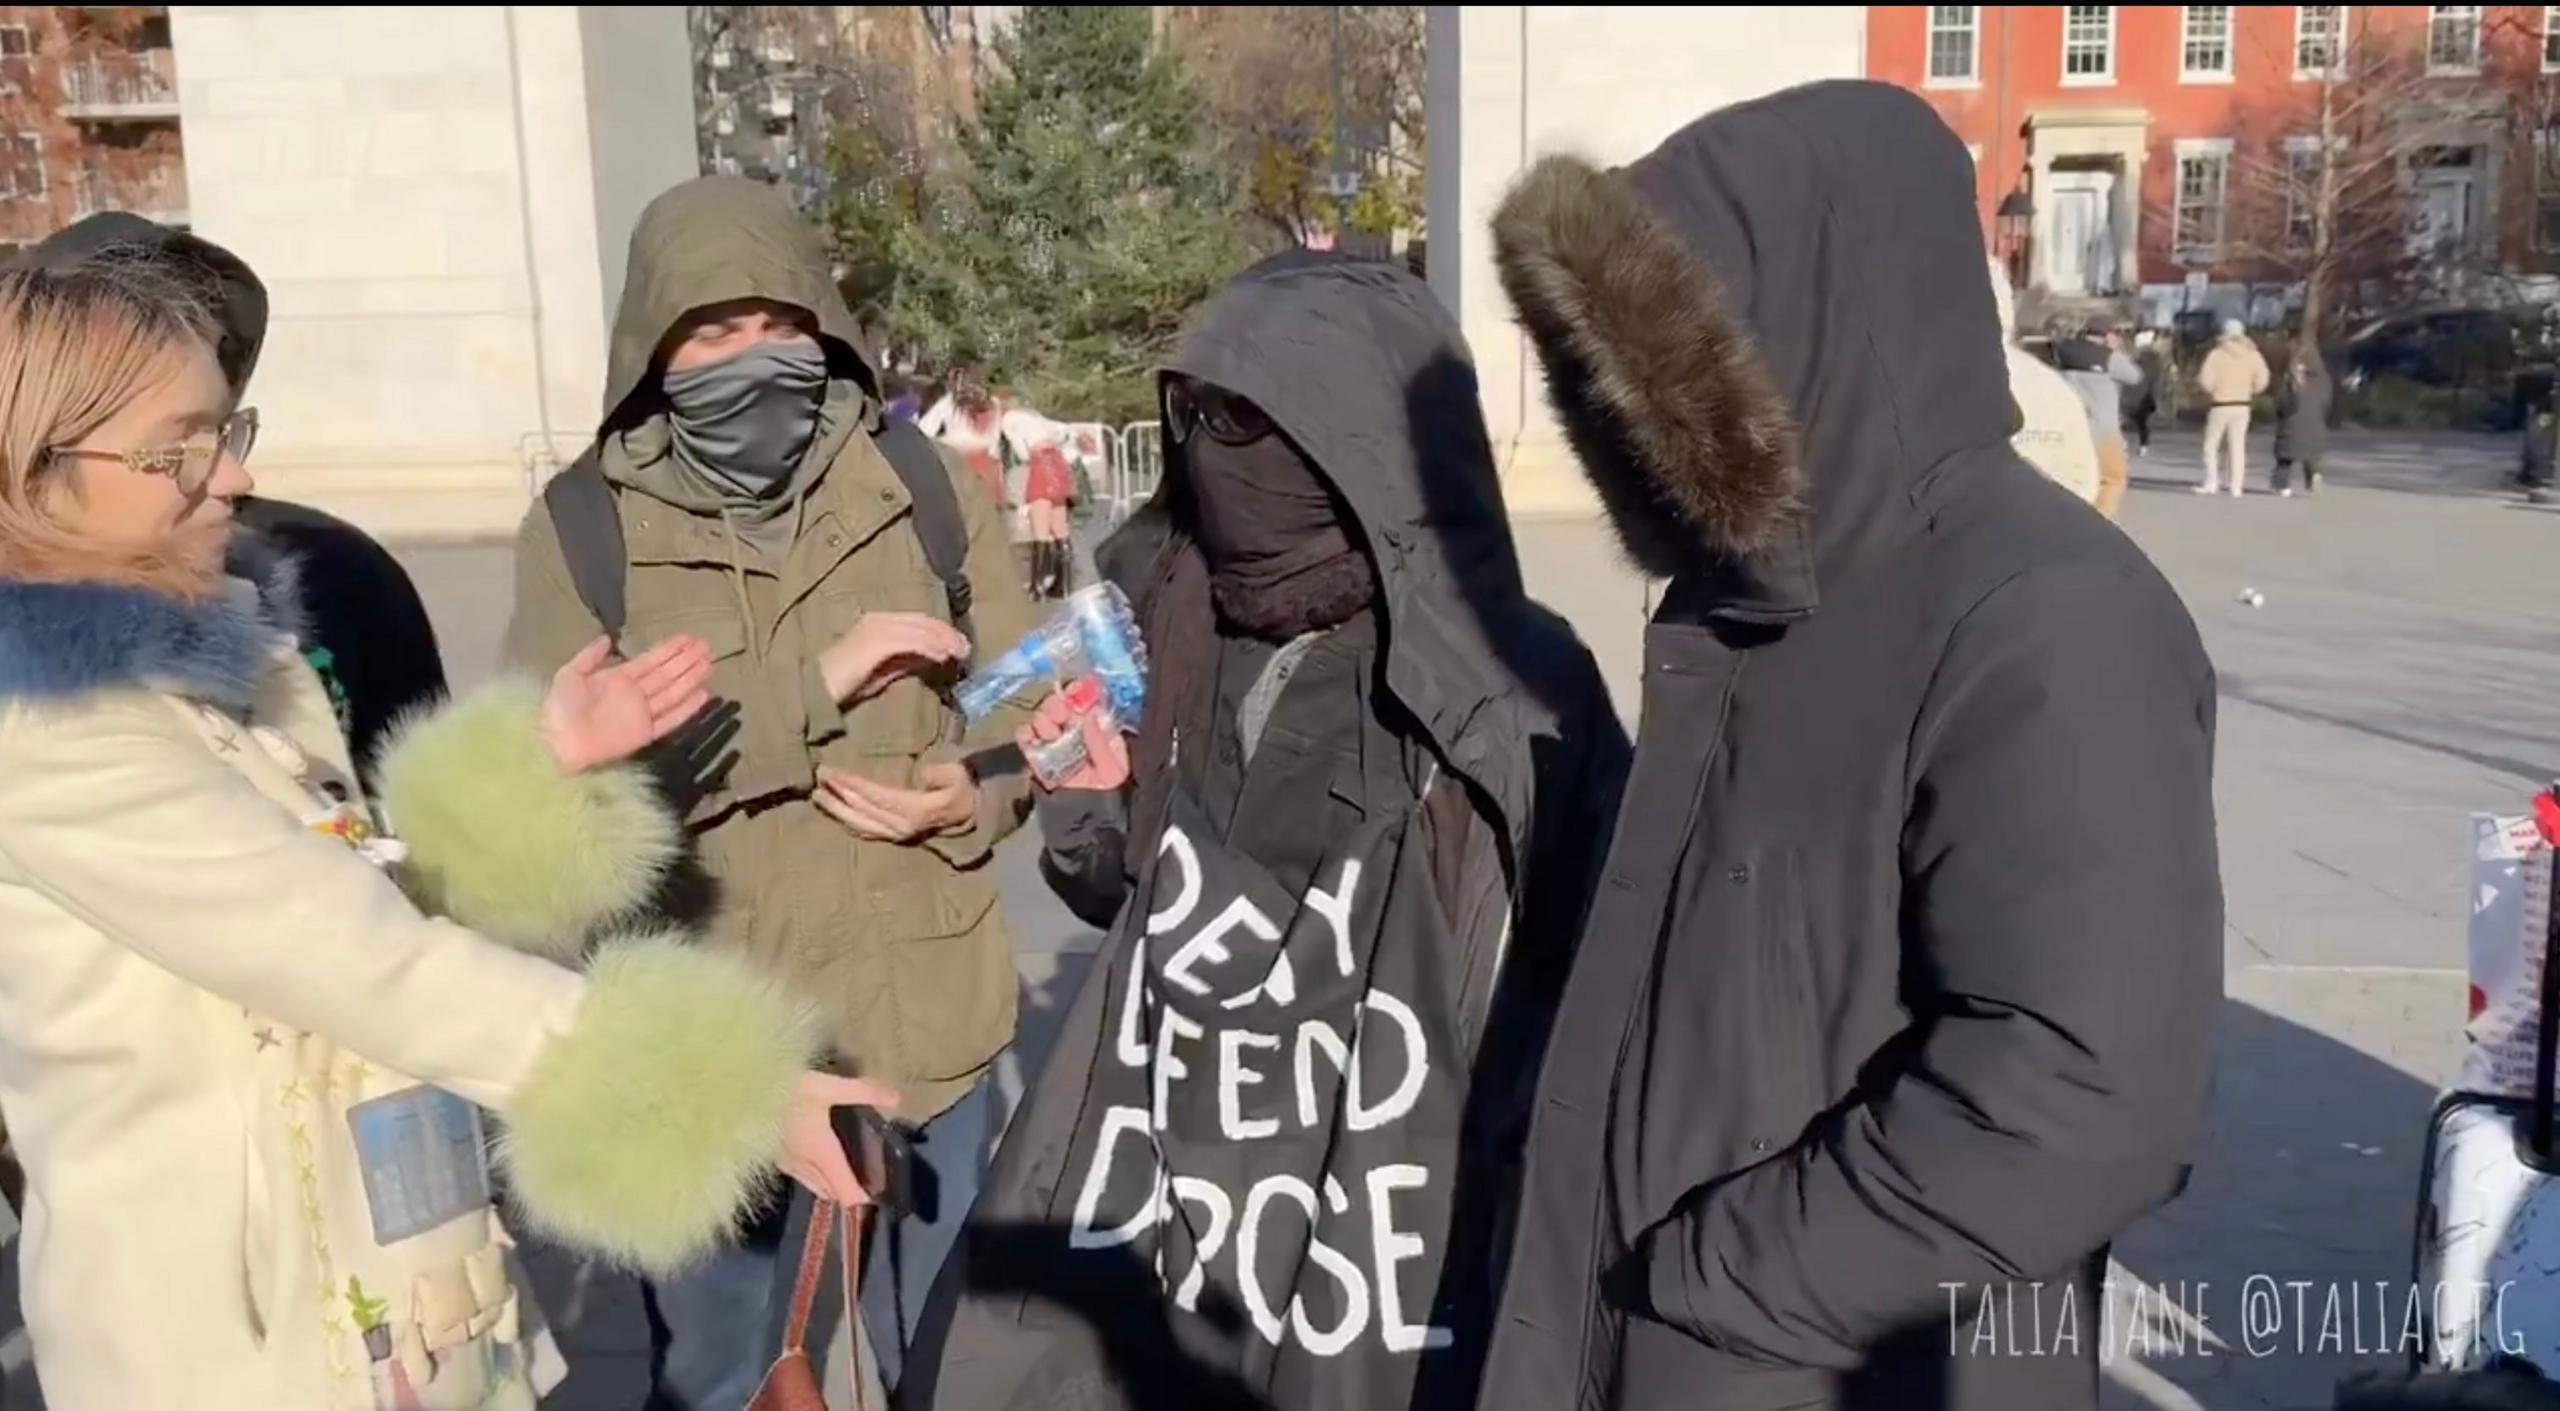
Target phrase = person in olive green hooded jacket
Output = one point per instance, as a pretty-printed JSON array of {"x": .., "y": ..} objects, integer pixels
[{"x": 842, "y": 843}]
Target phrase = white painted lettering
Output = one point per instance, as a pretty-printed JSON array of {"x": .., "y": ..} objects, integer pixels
[
  {"x": 1355, "y": 1288},
  {"x": 1257, "y": 1304},
  {"x": 1335, "y": 908},
  {"x": 1417, "y": 1065},
  {"x": 1316, "y": 1034},
  {"x": 1221, "y": 1213},
  {"x": 1169, "y": 1065},
  {"x": 1280, "y": 986},
  {"x": 1209, "y": 943},
  {"x": 1132, "y": 1041},
  {"x": 1178, "y": 845},
  {"x": 1234, "y": 1078},
  {"x": 1087, "y": 1233},
  {"x": 1390, "y": 1247}
]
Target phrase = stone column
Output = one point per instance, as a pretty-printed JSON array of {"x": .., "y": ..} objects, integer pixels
[
  {"x": 439, "y": 202},
  {"x": 2127, "y": 220},
  {"x": 2040, "y": 240}
]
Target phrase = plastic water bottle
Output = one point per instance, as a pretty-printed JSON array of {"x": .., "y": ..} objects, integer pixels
[
  {"x": 1093, "y": 632},
  {"x": 1058, "y": 758},
  {"x": 1115, "y": 655}
]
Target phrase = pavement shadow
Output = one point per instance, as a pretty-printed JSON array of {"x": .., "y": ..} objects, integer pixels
[
  {"x": 2369, "y": 724},
  {"x": 2284, "y": 1266},
  {"x": 2443, "y": 465}
]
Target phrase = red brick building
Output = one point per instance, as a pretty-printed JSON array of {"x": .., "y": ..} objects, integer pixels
[
  {"x": 88, "y": 117},
  {"x": 2153, "y": 143}
]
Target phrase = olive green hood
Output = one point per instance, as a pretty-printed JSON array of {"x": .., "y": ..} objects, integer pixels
[{"x": 708, "y": 241}]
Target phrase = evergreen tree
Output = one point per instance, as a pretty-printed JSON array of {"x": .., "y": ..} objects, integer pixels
[{"x": 1085, "y": 222}]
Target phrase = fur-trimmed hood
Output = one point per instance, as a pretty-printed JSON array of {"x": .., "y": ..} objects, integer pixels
[
  {"x": 1763, "y": 336},
  {"x": 62, "y": 640}
]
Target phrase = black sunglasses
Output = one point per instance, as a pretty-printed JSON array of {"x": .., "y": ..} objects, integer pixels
[{"x": 1197, "y": 406}]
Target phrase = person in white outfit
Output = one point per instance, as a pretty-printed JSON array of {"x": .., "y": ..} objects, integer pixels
[{"x": 2234, "y": 374}]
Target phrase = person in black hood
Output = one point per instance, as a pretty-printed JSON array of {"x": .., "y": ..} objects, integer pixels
[
  {"x": 1895, "y": 999},
  {"x": 1266, "y": 1157},
  {"x": 374, "y": 645}
]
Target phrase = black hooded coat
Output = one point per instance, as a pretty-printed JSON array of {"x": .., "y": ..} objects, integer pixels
[
  {"x": 1373, "y": 1069},
  {"x": 1895, "y": 998}
]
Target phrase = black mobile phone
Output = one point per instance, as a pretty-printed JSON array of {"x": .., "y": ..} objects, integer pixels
[
  {"x": 882, "y": 1156},
  {"x": 996, "y": 762}
]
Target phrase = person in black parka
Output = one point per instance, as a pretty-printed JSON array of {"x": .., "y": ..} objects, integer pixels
[
  {"x": 2302, "y": 421},
  {"x": 372, "y": 641},
  {"x": 1268, "y": 1159},
  {"x": 1895, "y": 999}
]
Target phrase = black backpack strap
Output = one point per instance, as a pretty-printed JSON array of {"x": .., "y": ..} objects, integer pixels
[
  {"x": 589, "y": 528},
  {"x": 939, "y": 525}
]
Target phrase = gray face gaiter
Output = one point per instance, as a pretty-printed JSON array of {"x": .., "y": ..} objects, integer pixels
[{"x": 745, "y": 422}]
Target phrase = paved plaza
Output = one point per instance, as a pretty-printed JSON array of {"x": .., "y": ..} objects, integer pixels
[{"x": 2403, "y": 670}]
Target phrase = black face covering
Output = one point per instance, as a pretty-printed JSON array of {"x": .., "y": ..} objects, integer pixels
[{"x": 1281, "y": 559}]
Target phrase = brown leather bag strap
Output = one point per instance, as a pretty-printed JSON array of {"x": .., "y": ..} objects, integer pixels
[{"x": 804, "y": 1288}]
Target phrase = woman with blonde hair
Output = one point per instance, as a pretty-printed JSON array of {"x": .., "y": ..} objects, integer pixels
[{"x": 244, "y": 1023}]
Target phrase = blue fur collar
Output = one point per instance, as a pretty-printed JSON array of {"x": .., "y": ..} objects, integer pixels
[{"x": 61, "y": 640}]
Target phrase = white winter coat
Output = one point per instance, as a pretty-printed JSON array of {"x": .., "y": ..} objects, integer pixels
[{"x": 220, "y": 1016}]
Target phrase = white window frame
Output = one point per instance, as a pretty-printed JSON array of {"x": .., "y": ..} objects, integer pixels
[
  {"x": 2187, "y": 42},
  {"x": 33, "y": 143},
  {"x": 2546, "y": 187},
  {"x": 2190, "y": 149},
  {"x": 26, "y": 41},
  {"x": 2550, "y": 31},
  {"x": 2337, "y": 41},
  {"x": 2440, "y": 14},
  {"x": 2294, "y": 148},
  {"x": 1972, "y": 76},
  {"x": 2103, "y": 78}
]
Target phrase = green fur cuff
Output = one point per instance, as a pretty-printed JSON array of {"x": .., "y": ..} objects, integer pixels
[
  {"x": 503, "y": 842},
  {"x": 642, "y": 1132}
]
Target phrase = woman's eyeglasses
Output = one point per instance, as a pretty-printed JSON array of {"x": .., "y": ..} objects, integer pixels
[
  {"x": 1196, "y": 406},
  {"x": 190, "y": 462}
]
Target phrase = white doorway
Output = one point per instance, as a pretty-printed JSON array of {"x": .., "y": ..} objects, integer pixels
[
  {"x": 2447, "y": 186},
  {"x": 2081, "y": 258}
]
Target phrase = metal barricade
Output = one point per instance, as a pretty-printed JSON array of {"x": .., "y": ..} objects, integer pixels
[
  {"x": 1137, "y": 466},
  {"x": 1121, "y": 464}
]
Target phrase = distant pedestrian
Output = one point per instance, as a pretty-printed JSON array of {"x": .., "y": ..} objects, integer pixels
[
  {"x": 1039, "y": 489},
  {"x": 2097, "y": 368},
  {"x": 2233, "y": 376},
  {"x": 969, "y": 419},
  {"x": 2302, "y": 421},
  {"x": 2152, "y": 397},
  {"x": 905, "y": 394}
]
